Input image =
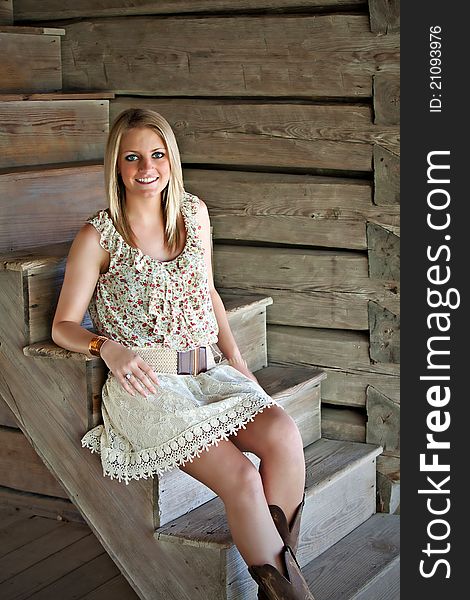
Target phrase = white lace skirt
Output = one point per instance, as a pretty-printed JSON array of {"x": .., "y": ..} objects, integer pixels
[{"x": 141, "y": 437}]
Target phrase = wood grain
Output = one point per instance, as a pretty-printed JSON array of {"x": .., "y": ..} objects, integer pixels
[
  {"x": 314, "y": 199},
  {"x": 386, "y": 179},
  {"x": 348, "y": 387},
  {"x": 339, "y": 423},
  {"x": 41, "y": 132},
  {"x": 388, "y": 484},
  {"x": 56, "y": 9},
  {"x": 301, "y": 270},
  {"x": 384, "y": 253},
  {"x": 384, "y": 16},
  {"x": 364, "y": 562},
  {"x": 387, "y": 99},
  {"x": 22, "y": 469},
  {"x": 32, "y": 199},
  {"x": 384, "y": 333},
  {"x": 324, "y": 55},
  {"x": 383, "y": 422},
  {"x": 246, "y": 133},
  {"x": 6, "y": 12},
  {"x": 30, "y": 62}
]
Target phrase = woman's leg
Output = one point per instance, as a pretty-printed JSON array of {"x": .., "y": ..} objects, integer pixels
[
  {"x": 232, "y": 476},
  {"x": 274, "y": 437}
]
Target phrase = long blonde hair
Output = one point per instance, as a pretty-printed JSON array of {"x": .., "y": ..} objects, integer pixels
[{"x": 172, "y": 195}]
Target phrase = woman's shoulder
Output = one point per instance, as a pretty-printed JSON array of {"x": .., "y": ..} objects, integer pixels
[{"x": 195, "y": 203}]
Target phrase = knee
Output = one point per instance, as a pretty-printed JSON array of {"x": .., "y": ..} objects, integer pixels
[
  {"x": 281, "y": 434},
  {"x": 245, "y": 482}
]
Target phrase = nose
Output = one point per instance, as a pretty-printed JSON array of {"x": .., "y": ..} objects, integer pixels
[{"x": 146, "y": 164}]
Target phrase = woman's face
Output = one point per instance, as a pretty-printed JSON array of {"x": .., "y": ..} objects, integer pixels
[{"x": 143, "y": 163}]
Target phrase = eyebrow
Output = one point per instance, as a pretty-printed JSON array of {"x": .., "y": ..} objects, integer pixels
[{"x": 136, "y": 152}]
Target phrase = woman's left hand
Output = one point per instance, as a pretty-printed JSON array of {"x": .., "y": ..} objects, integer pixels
[{"x": 241, "y": 365}]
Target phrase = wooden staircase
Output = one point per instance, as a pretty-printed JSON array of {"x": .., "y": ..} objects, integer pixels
[{"x": 167, "y": 535}]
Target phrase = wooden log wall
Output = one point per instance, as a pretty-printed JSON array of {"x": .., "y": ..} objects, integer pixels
[{"x": 287, "y": 117}]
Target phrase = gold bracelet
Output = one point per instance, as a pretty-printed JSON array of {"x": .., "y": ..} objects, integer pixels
[{"x": 94, "y": 347}]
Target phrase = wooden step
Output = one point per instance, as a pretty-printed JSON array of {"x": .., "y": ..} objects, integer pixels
[
  {"x": 341, "y": 423},
  {"x": 38, "y": 132},
  {"x": 340, "y": 495},
  {"x": 364, "y": 565},
  {"x": 31, "y": 59},
  {"x": 49, "y": 398},
  {"x": 34, "y": 197},
  {"x": 297, "y": 390}
]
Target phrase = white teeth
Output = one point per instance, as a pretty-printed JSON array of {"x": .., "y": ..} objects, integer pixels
[{"x": 147, "y": 180}]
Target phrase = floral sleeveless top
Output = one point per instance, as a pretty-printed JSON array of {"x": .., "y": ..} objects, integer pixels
[{"x": 142, "y": 301}]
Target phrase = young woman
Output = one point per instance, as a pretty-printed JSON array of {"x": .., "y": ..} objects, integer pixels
[{"x": 143, "y": 269}]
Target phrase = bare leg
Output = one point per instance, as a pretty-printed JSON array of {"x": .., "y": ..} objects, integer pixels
[
  {"x": 231, "y": 475},
  {"x": 274, "y": 437}
]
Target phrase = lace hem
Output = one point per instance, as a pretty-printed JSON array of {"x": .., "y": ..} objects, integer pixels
[{"x": 125, "y": 466}]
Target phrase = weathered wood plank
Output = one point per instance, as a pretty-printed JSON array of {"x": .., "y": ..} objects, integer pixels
[
  {"x": 320, "y": 347},
  {"x": 384, "y": 328},
  {"x": 361, "y": 561},
  {"x": 384, "y": 253},
  {"x": 386, "y": 179},
  {"x": 16, "y": 534},
  {"x": 383, "y": 422},
  {"x": 388, "y": 484},
  {"x": 7, "y": 418},
  {"x": 260, "y": 133},
  {"x": 30, "y": 62},
  {"x": 349, "y": 387},
  {"x": 22, "y": 469},
  {"x": 28, "y": 30},
  {"x": 387, "y": 99},
  {"x": 384, "y": 16},
  {"x": 33, "y": 199},
  {"x": 6, "y": 12},
  {"x": 81, "y": 581},
  {"x": 42, "y": 132},
  {"x": 56, "y": 9},
  {"x": 293, "y": 268},
  {"x": 290, "y": 230},
  {"x": 58, "y": 509},
  {"x": 27, "y": 555},
  {"x": 60, "y": 95},
  {"x": 339, "y": 423},
  {"x": 332, "y": 55},
  {"x": 50, "y": 569},
  {"x": 116, "y": 588},
  {"x": 315, "y": 199}
]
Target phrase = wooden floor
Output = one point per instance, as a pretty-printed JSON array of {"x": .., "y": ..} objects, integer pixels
[{"x": 48, "y": 559}]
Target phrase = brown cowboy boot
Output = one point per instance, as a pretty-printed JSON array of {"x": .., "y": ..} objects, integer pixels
[
  {"x": 289, "y": 534},
  {"x": 275, "y": 586}
]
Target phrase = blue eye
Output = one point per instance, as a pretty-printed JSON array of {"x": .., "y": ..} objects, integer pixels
[
  {"x": 159, "y": 152},
  {"x": 130, "y": 157}
]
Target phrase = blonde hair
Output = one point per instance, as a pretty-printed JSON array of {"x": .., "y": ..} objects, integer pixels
[{"x": 116, "y": 192}]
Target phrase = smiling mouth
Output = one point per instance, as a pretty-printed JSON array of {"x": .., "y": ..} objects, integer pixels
[{"x": 147, "y": 180}]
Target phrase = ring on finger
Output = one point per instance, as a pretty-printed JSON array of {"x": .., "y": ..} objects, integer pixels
[{"x": 128, "y": 375}]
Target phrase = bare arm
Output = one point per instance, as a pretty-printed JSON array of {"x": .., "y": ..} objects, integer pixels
[
  {"x": 226, "y": 341},
  {"x": 84, "y": 262}
]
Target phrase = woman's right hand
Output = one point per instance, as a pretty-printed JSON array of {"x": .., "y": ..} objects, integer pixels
[{"x": 121, "y": 360}]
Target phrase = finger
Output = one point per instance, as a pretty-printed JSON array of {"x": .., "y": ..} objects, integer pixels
[
  {"x": 147, "y": 380},
  {"x": 126, "y": 386},
  {"x": 147, "y": 369}
]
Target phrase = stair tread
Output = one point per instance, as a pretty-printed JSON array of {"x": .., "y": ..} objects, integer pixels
[
  {"x": 33, "y": 30},
  {"x": 58, "y": 95},
  {"x": 353, "y": 563},
  {"x": 325, "y": 460}
]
